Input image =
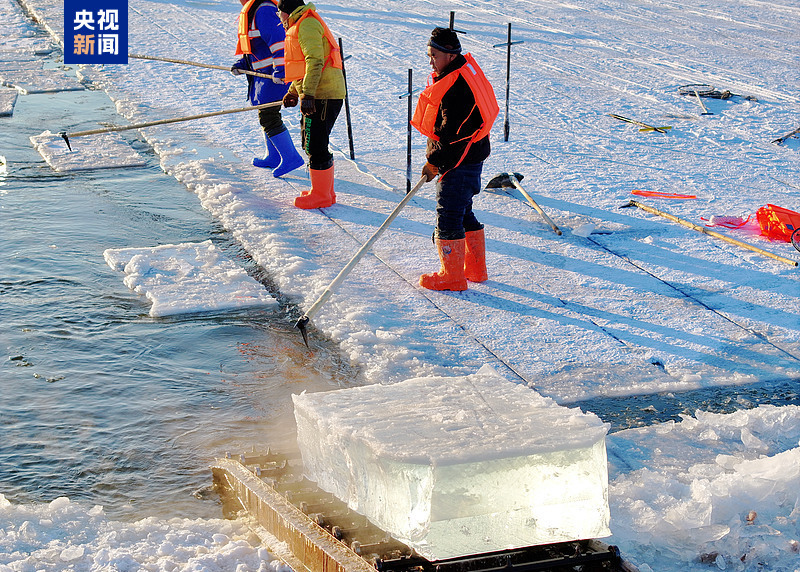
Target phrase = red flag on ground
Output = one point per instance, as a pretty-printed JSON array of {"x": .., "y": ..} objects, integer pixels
[{"x": 660, "y": 195}]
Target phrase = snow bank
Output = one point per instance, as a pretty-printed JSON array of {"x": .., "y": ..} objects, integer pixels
[
  {"x": 62, "y": 535},
  {"x": 720, "y": 490}
]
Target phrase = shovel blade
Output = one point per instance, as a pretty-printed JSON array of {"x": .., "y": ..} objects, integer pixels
[{"x": 504, "y": 181}]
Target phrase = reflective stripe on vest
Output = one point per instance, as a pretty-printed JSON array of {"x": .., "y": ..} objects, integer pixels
[
  {"x": 247, "y": 28},
  {"x": 424, "y": 119},
  {"x": 295, "y": 61}
]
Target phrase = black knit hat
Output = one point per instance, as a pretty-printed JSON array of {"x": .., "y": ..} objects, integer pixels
[
  {"x": 289, "y": 6},
  {"x": 445, "y": 40}
]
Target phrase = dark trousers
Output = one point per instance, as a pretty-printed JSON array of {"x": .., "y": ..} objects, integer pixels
[
  {"x": 271, "y": 120},
  {"x": 316, "y": 130},
  {"x": 454, "y": 192}
]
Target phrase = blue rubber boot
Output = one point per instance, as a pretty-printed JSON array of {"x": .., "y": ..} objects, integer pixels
[
  {"x": 272, "y": 159},
  {"x": 290, "y": 158}
]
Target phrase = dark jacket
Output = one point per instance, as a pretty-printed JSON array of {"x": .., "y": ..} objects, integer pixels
[{"x": 458, "y": 118}]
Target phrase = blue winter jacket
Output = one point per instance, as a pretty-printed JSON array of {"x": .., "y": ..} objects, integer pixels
[{"x": 267, "y": 37}]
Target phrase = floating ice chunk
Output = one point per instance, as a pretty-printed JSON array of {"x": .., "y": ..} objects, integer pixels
[
  {"x": 31, "y": 77},
  {"x": 462, "y": 465},
  {"x": 101, "y": 151},
  {"x": 190, "y": 277},
  {"x": 8, "y": 97}
]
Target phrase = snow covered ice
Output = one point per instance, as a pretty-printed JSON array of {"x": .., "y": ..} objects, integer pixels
[
  {"x": 8, "y": 97},
  {"x": 27, "y": 78},
  {"x": 459, "y": 465},
  {"x": 648, "y": 308},
  {"x": 63, "y": 535}
]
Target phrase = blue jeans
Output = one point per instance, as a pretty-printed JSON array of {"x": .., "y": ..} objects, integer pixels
[{"x": 454, "y": 192}]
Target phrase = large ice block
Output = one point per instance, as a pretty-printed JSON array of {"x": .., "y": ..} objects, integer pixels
[{"x": 459, "y": 465}]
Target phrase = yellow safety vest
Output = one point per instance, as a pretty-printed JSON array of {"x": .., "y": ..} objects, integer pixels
[{"x": 295, "y": 61}]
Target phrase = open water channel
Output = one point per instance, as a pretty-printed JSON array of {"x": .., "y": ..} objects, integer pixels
[{"x": 98, "y": 401}]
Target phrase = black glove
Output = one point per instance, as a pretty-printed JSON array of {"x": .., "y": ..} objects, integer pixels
[
  {"x": 307, "y": 105},
  {"x": 290, "y": 99},
  {"x": 237, "y": 68}
]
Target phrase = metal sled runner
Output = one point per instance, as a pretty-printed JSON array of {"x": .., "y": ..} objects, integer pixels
[{"x": 323, "y": 535}]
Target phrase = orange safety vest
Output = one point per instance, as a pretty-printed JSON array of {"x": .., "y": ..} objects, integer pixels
[
  {"x": 295, "y": 61},
  {"x": 245, "y": 19},
  {"x": 430, "y": 99}
]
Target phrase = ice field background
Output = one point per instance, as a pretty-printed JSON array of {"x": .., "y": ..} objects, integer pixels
[{"x": 634, "y": 320}]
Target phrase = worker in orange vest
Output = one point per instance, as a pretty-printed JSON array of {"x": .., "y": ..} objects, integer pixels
[
  {"x": 260, "y": 42},
  {"x": 456, "y": 112},
  {"x": 313, "y": 64}
]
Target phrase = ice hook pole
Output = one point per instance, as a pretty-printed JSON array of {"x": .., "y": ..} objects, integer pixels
[
  {"x": 704, "y": 230},
  {"x": 197, "y": 64},
  {"x": 66, "y": 135},
  {"x": 305, "y": 318}
]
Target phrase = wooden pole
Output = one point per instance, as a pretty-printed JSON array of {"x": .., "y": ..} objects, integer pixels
[
  {"x": 704, "y": 230},
  {"x": 197, "y": 64},
  {"x": 644, "y": 126},
  {"x": 535, "y": 205},
  {"x": 347, "y": 105},
  {"x": 66, "y": 135}
]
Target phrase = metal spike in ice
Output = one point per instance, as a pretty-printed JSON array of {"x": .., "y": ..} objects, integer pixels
[{"x": 459, "y": 465}]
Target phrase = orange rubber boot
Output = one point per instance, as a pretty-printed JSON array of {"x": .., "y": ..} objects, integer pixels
[
  {"x": 475, "y": 257},
  {"x": 321, "y": 194},
  {"x": 451, "y": 275}
]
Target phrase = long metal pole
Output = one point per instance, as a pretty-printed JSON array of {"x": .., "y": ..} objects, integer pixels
[
  {"x": 408, "y": 139},
  {"x": 506, "y": 126},
  {"x": 698, "y": 228},
  {"x": 508, "y": 44},
  {"x": 197, "y": 64},
  {"x": 311, "y": 312},
  {"x": 347, "y": 105}
]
